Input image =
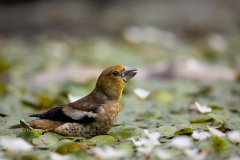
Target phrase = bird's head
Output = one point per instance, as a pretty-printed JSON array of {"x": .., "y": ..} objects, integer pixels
[{"x": 112, "y": 80}]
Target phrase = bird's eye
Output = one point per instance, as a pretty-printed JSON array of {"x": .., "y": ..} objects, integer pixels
[{"x": 115, "y": 73}]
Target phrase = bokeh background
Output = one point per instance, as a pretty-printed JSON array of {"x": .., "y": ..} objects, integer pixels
[
  {"x": 185, "y": 51},
  {"x": 49, "y": 48},
  {"x": 44, "y": 42}
]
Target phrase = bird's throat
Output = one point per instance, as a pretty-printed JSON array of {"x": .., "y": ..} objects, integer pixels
[{"x": 110, "y": 92}]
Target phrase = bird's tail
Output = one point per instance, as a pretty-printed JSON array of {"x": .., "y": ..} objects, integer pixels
[
  {"x": 15, "y": 126},
  {"x": 41, "y": 124},
  {"x": 32, "y": 123},
  {"x": 34, "y": 115}
]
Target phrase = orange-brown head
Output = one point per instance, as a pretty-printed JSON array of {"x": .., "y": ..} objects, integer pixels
[{"x": 112, "y": 80}]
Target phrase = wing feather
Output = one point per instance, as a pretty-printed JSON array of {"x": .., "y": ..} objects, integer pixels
[{"x": 80, "y": 113}]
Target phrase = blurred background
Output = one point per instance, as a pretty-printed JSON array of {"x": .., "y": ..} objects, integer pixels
[
  {"x": 186, "y": 51},
  {"x": 55, "y": 45},
  {"x": 44, "y": 42}
]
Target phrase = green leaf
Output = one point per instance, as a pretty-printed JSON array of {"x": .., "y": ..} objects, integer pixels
[
  {"x": 125, "y": 132},
  {"x": 127, "y": 146},
  {"x": 5, "y": 132},
  {"x": 69, "y": 147},
  {"x": 163, "y": 97},
  {"x": 25, "y": 125},
  {"x": 30, "y": 157},
  {"x": 201, "y": 126},
  {"x": 215, "y": 143},
  {"x": 151, "y": 114},
  {"x": 201, "y": 119},
  {"x": 4, "y": 65},
  {"x": 167, "y": 130},
  {"x": 183, "y": 131},
  {"x": 37, "y": 132},
  {"x": 216, "y": 117},
  {"x": 46, "y": 141},
  {"x": 27, "y": 136},
  {"x": 215, "y": 107},
  {"x": 233, "y": 123},
  {"x": 44, "y": 100},
  {"x": 60, "y": 137},
  {"x": 219, "y": 143},
  {"x": 3, "y": 90},
  {"x": 102, "y": 140},
  {"x": 204, "y": 91}
]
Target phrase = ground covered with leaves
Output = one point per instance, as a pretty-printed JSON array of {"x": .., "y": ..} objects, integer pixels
[{"x": 161, "y": 118}]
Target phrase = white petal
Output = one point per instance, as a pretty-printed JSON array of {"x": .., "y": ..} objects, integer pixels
[
  {"x": 99, "y": 152},
  {"x": 194, "y": 154},
  {"x": 140, "y": 142},
  {"x": 200, "y": 135},
  {"x": 217, "y": 42},
  {"x": 181, "y": 142},
  {"x": 145, "y": 149},
  {"x": 2, "y": 156},
  {"x": 56, "y": 156},
  {"x": 154, "y": 135},
  {"x": 72, "y": 98},
  {"x": 15, "y": 144},
  {"x": 234, "y": 136},
  {"x": 161, "y": 154},
  {"x": 234, "y": 158},
  {"x": 146, "y": 132},
  {"x": 215, "y": 132},
  {"x": 141, "y": 93},
  {"x": 108, "y": 152},
  {"x": 203, "y": 109}
]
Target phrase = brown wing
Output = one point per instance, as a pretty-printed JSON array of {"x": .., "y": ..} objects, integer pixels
[
  {"x": 73, "y": 112},
  {"x": 78, "y": 111}
]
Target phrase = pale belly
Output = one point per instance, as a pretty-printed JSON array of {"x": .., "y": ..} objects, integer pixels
[{"x": 87, "y": 130}]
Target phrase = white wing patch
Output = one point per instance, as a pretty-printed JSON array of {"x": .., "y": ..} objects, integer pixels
[{"x": 77, "y": 114}]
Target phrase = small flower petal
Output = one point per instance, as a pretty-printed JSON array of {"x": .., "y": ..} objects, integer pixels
[
  {"x": 146, "y": 132},
  {"x": 146, "y": 145},
  {"x": 72, "y": 98},
  {"x": 2, "y": 156},
  {"x": 108, "y": 152},
  {"x": 16, "y": 144},
  {"x": 161, "y": 154},
  {"x": 145, "y": 149},
  {"x": 234, "y": 136},
  {"x": 153, "y": 135},
  {"x": 200, "y": 135},
  {"x": 140, "y": 142},
  {"x": 141, "y": 93},
  {"x": 234, "y": 158},
  {"x": 181, "y": 142},
  {"x": 215, "y": 132},
  {"x": 194, "y": 154},
  {"x": 203, "y": 109},
  {"x": 56, "y": 156},
  {"x": 217, "y": 42}
]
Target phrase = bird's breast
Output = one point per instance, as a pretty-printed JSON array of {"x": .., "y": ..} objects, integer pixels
[
  {"x": 106, "y": 117},
  {"x": 109, "y": 115}
]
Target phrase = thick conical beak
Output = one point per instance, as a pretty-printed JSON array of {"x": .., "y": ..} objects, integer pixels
[{"x": 128, "y": 73}]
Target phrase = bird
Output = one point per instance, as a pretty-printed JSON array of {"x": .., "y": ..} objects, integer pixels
[{"x": 92, "y": 115}]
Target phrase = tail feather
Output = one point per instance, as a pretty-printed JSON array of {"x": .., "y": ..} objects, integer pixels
[
  {"x": 41, "y": 124},
  {"x": 15, "y": 126},
  {"x": 45, "y": 124},
  {"x": 34, "y": 115}
]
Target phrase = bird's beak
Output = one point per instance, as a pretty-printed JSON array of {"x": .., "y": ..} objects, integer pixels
[{"x": 128, "y": 73}]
